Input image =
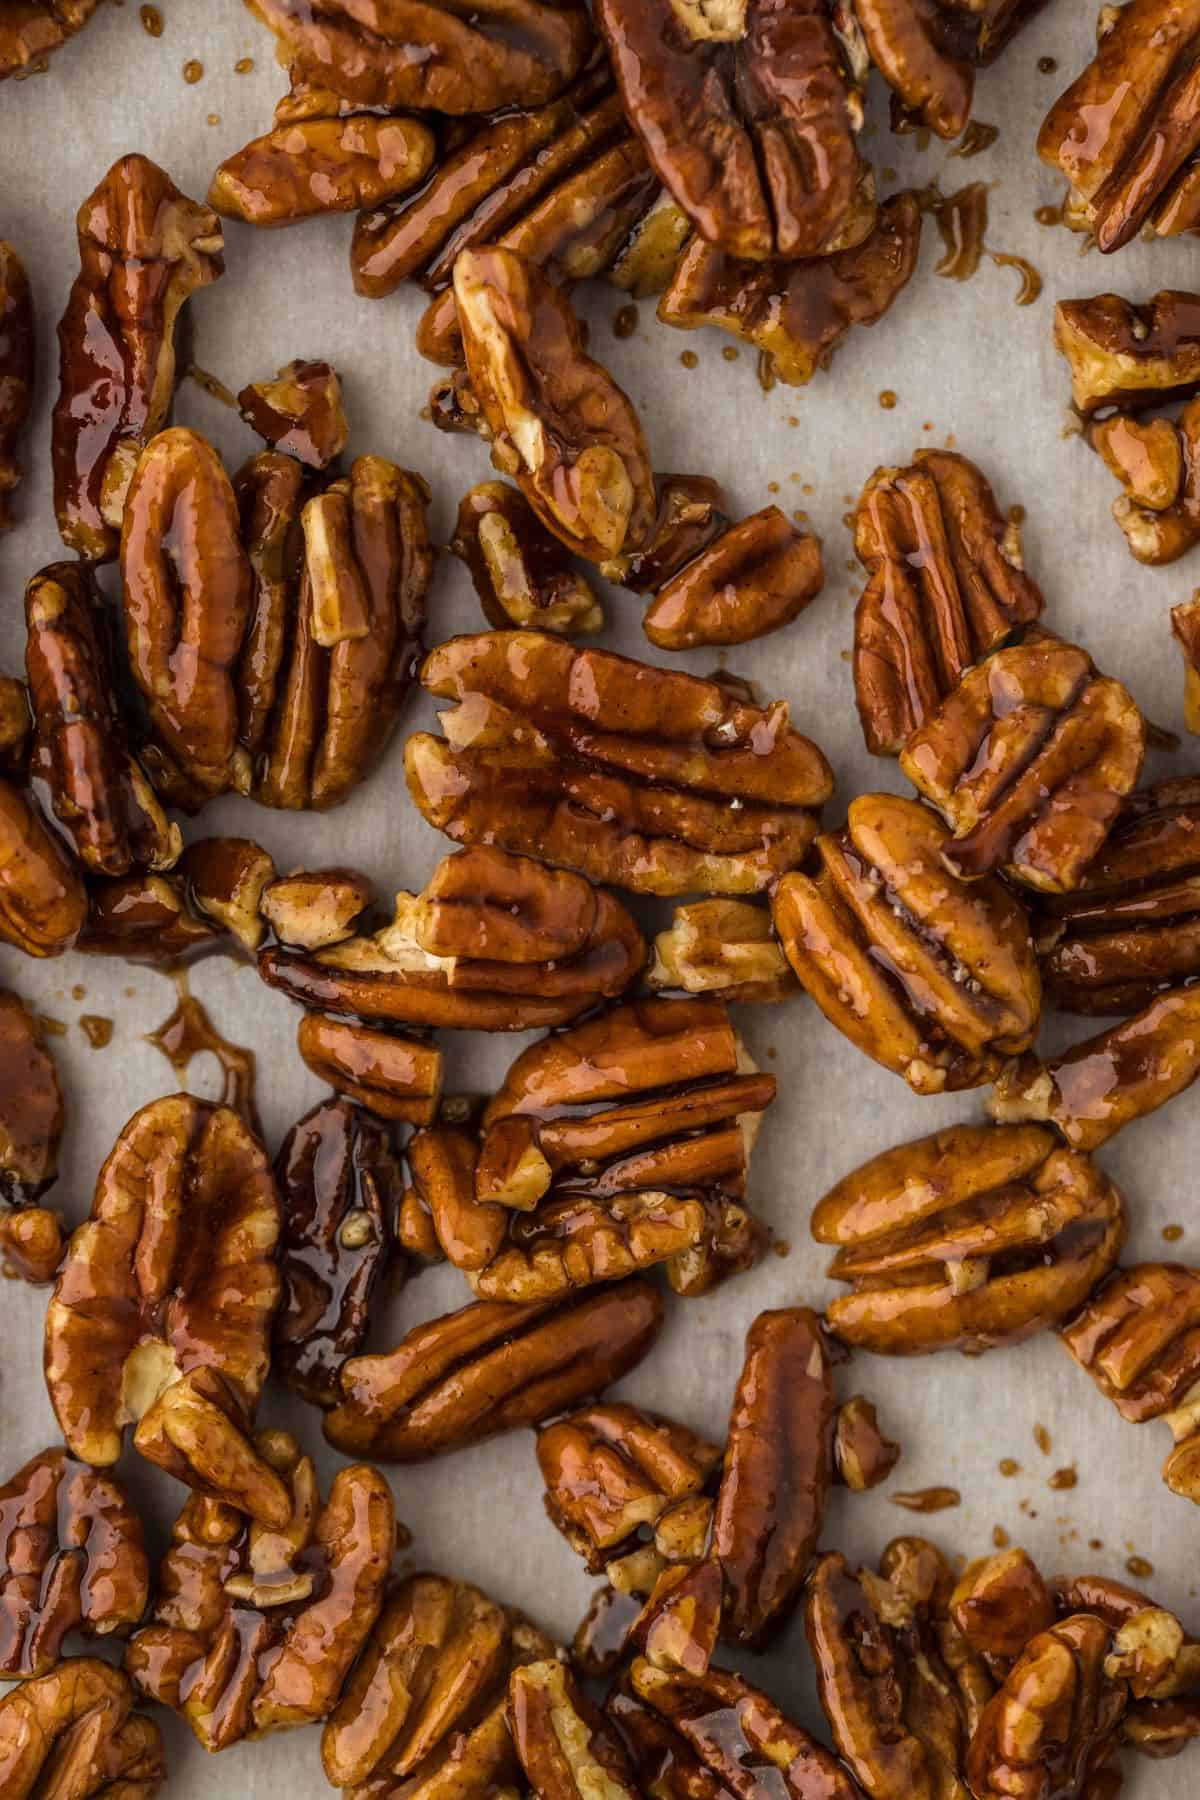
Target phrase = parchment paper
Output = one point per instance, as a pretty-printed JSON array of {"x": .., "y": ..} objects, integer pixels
[{"x": 968, "y": 368}]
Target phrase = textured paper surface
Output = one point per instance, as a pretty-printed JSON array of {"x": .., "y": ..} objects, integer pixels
[{"x": 967, "y": 366}]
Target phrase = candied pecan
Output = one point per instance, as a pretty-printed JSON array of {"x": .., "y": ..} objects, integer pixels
[
  {"x": 917, "y": 1227},
  {"x": 144, "y": 918},
  {"x": 15, "y": 727},
  {"x": 17, "y": 359},
  {"x": 862, "y": 1455},
  {"x": 43, "y": 902},
  {"x": 930, "y": 975},
  {"x": 73, "y": 1734},
  {"x": 1120, "y": 354},
  {"x": 758, "y": 575},
  {"x": 686, "y": 787},
  {"x": 1185, "y": 624},
  {"x": 144, "y": 248},
  {"x": 723, "y": 947},
  {"x": 1028, "y": 759},
  {"x": 393, "y": 1077},
  {"x": 71, "y": 1558},
  {"x": 31, "y": 29},
  {"x": 226, "y": 879},
  {"x": 946, "y": 584},
  {"x": 1052, "y": 1728},
  {"x": 566, "y": 1746},
  {"x": 434, "y": 55},
  {"x": 305, "y": 167},
  {"x": 679, "y": 1626},
  {"x": 32, "y": 1241},
  {"x": 255, "y": 1628},
  {"x": 299, "y": 412},
  {"x": 467, "y": 1231},
  {"x": 690, "y": 514},
  {"x": 490, "y": 1368},
  {"x": 560, "y": 424},
  {"x": 1000, "y": 1603},
  {"x": 167, "y": 1328},
  {"x": 312, "y": 908},
  {"x": 518, "y": 568},
  {"x": 797, "y": 313},
  {"x": 1157, "y": 462},
  {"x": 926, "y": 51},
  {"x": 31, "y": 1105}
]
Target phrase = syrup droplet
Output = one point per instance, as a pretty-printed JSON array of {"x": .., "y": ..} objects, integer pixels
[
  {"x": 625, "y": 321},
  {"x": 688, "y": 358},
  {"x": 193, "y": 71},
  {"x": 1009, "y": 1466},
  {"x": 887, "y": 399},
  {"x": 1047, "y": 65},
  {"x": 188, "y": 1033},
  {"x": 1049, "y": 215},
  {"x": 152, "y": 21},
  {"x": 96, "y": 1029},
  {"x": 1065, "y": 1478},
  {"x": 1172, "y": 1233},
  {"x": 928, "y": 1500},
  {"x": 1139, "y": 1568},
  {"x": 211, "y": 385},
  {"x": 243, "y": 65},
  {"x": 1031, "y": 281},
  {"x": 976, "y": 138},
  {"x": 1041, "y": 1438}
]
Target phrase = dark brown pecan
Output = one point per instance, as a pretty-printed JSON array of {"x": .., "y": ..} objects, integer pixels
[
  {"x": 1120, "y": 354},
  {"x": 490, "y": 1368},
  {"x": 622, "y": 770},
  {"x": 758, "y": 575},
  {"x": 862, "y": 1455},
  {"x": 1052, "y": 1728},
  {"x": 1029, "y": 759},
  {"x": 340, "y": 1185},
  {"x": 1125, "y": 132},
  {"x": 43, "y": 902},
  {"x": 145, "y": 918},
  {"x": 433, "y": 55},
  {"x": 691, "y": 513},
  {"x": 518, "y": 568},
  {"x": 748, "y": 112},
  {"x": 1000, "y": 1603},
  {"x": 667, "y": 1765},
  {"x": 927, "y": 50},
  {"x": 393, "y": 1077},
  {"x": 17, "y": 361},
  {"x": 73, "y": 1734},
  {"x": 144, "y": 248},
  {"x": 31, "y": 1105},
  {"x": 255, "y": 1628},
  {"x": 566, "y": 1747},
  {"x": 1157, "y": 462},
  {"x": 300, "y": 412},
  {"x": 309, "y": 166},
  {"x": 918, "y": 1226},
  {"x": 930, "y": 975},
  {"x": 31, "y": 29},
  {"x": 71, "y": 1558},
  {"x": 797, "y": 313},
  {"x": 946, "y": 584},
  {"x": 226, "y": 878},
  {"x": 722, "y": 947}
]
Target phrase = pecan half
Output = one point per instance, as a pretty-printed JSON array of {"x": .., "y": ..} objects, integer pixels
[
  {"x": 43, "y": 902},
  {"x": 1157, "y": 462},
  {"x": 310, "y": 166},
  {"x": 918, "y": 1226},
  {"x": 145, "y": 918},
  {"x": 946, "y": 584},
  {"x": 144, "y": 248},
  {"x": 722, "y": 947},
  {"x": 566, "y": 1746},
  {"x": 73, "y": 1734},
  {"x": 299, "y": 412},
  {"x": 490, "y": 1368},
  {"x": 930, "y": 975},
  {"x": 71, "y": 1558},
  {"x": 1000, "y": 1603},
  {"x": 254, "y": 1628},
  {"x": 31, "y": 1105},
  {"x": 1028, "y": 759},
  {"x": 757, "y": 576},
  {"x": 624, "y": 771},
  {"x": 518, "y": 568},
  {"x": 393, "y": 1077},
  {"x": 560, "y": 424},
  {"x": 31, "y": 29},
  {"x": 1052, "y": 1728},
  {"x": 797, "y": 313},
  {"x": 1120, "y": 354},
  {"x": 17, "y": 361},
  {"x": 1185, "y": 624},
  {"x": 748, "y": 113}
]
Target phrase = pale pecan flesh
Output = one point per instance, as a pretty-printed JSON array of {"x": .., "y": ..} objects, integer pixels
[
  {"x": 930, "y": 975},
  {"x": 433, "y": 55},
  {"x": 256, "y": 1628},
  {"x": 757, "y": 576},
  {"x": 927, "y": 52},
  {"x": 393, "y": 1077},
  {"x": 749, "y": 113},
  {"x": 31, "y": 1105},
  {"x": 43, "y": 902},
  {"x": 313, "y": 908},
  {"x": 1120, "y": 354},
  {"x": 73, "y": 1734},
  {"x": 71, "y": 1559},
  {"x": 613, "y": 767},
  {"x": 311, "y": 166},
  {"x": 1157, "y": 462},
  {"x": 490, "y": 1368},
  {"x": 1029, "y": 759},
  {"x": 975, "y": 1236},
  {"x": 946, "y": 584},
  {"x": 797, "y": 313},
  {"x": 32, "y": 1241},
  {"x": 299, "y": 411},
  {"x": 144, "y": 248},
  {"x": 722, "y": 947},
  {"x": 1052, "y": 1728},
  {"x": 31, "y": 29},
  {"x": 565, "y": 1745},
  {"x": 17, "y": 360},
  {"x": 518, "y": 568}
]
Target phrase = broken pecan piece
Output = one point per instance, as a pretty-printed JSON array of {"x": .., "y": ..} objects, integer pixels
[
  {"x": 299, "y": 412},
  {"x": 518, "y": 568},
  {"x": 17, "y": 361},
  {"x": 43, "y": 902},
  {"x": 71, "y": 1558},
  {"x": 930, "y": 975},
  {"x": 862, "y": 1455},
  {"x": 31, "y": 29},
  {"x": 310, "y": 166},
  {"x": 757, "y": 576},
  {"x": 918, "y": 1226},
  {"x": 566, "y": 1746},
  {"x": 691, "y": 513},
  {"x": 73, "y": 1735},
  {"x": 1120, "y": 354},
  {"x": 722, "y": 947},
  {"x": 31, "y": 1105},
  {"x": 490, "y": 1368},
  {"x": 622, "y": 770},
  {"x": 1001, "y": 1603},
  {"x": 946, "y": 584},
  {"x": 1053, "y": 1727},
  {"x": 1157, "y": 462},
  {"x": 393, "y": 1077},
  {"x": 144, "y": 248},
  {"x": 1028, "y": 759},
  {"x": 1185, "y": 624}
]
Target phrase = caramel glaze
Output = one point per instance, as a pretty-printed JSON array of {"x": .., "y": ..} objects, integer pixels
[
  {"x": 602, "y": 1635},
  {"x": 962, "y": 222},
  {"x": 189, "y": 1032},
  {"x": 928, "y": 1500}
]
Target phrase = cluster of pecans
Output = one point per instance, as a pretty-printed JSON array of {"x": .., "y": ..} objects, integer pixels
[{"x": 267, "y": 629}]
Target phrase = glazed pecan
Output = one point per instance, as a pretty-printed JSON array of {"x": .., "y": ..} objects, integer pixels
[
  {"x": 622, "y": 770},
  {"x": 313, "y": 908},
  {"x": 1124, "y": 133},
  {"x": 17, "y": 361},
  {"x": 340, "y": 1186},
  {"x": 309, "y": 166},
  {"x": 144, "y": 248},
  {"x": 1120, "y": 354},
  {"x": 393, "y": 1077},
  {"x": 1000, "y": 1603},
  {"x": 255, "y": 1628},
  {"x": 926, "y": 51},
  {"x": 32, "y": 1241},
  {"x": 490, "y": 1368},
  {"x": 1157, "y": 462},
  {"x": 1053, "y": 1726},
  {"x": 917, "y": 1228},
  {"x": 862, "y": 1455},
  {"x": 226, "y": 879},
  {"x": 690, "y": 514},
  {"x": 946, "y": 584},
  {"x": 560, "y": 424},
  {"x": 722, "y": 947},
  {"x": 797, "y": 313},
  {"x": 494, "y": 942},
  {"x": 31, "y": 1105},
  {"x": 566, "y": 1746},
  {"x": 73, "y": 1734},
  {"x": 930, "y": 975},
  {"x": 748, "y": 113},
  {"x": 145, "y": 918},
  {"x": 166, "y": 1325},
  {"x": 1028, "y": 759},
  {"x": 43, "y": 902},
  {"x": 71, "y": 1558},
  {"x": 31, "y": 29},
  {"x": 758, "y": 575},
  {"x": 518, "y": 568},
  {"x": 432, "y": 55},
  {"x": 299, "y": 412}
]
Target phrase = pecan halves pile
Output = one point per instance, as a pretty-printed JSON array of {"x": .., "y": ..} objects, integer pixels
[
  {"x": 722, "y": 947},
  {"x": 71, "y": 1558},
  {"x": 31, "y": 1105},
  {"x": 748, "y": 112},
  {"x": 1131, "y": 356},
  {"x": 324, "y": 164},
  {"x": 613, "y": 767},
  {"x": 490, "y": 1368},
  {"x": 930, "y": 975},
  {"x": 43, "y": 902},
  {"x": 561, "y": 427},
  {"x": 73, "y": 1734},
  {"x": 17, "y": 345},
  {"x": 1028, "y": 759},
  {"x": 31, "y": 29},
  {"x": 161, "y": 1316},
  {"x": 144, "y": 248},
  {"x": 519, "y": 569},
  {"x": 946, "y": 584},
  {"x": 1053, "y": 1726},
  {"x": 974, "y": 1236}
]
